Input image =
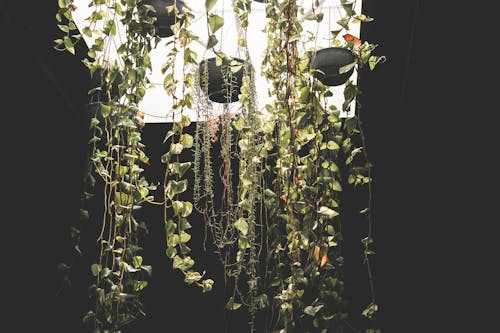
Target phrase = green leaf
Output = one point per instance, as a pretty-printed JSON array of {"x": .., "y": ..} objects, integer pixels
[
  {"x": 231, "y": 305},
  {"x": 184, "y": 224},
  {"x": 370, "y": 310},
  {"x": 346, "y": 68},
  {"x": 344, "y": 23},
  {"x": 312, "y": 310},
  {"x": 330, "y": 230},
  {"x": 367, "y": 240},
  {"x": 186, "y": 140},
  {"x": 323, "y": 210},
  {"x": 171, "y": 252},
  {"x": 335, "y": 185},
  {"x": 268, "y": 126},
  {"x": 110, "y": 27},
  {"x": 182, "y": 263},
  {"x": 182, "y": 208},
  {"x": 173, "y": 240},
  {"x": 184, "y": 237},
  {"x": 140, "y": 285},
  {"x": 69, "y": 45},
  {"x": 192, "y": 277},
  {"x": 332, "y": 145},
  {"x": 304, "y": 95},
  {"x": 123, "y": 199},
  {"x": 239, "y": 123},
  {"x": 118, "y": 8},
  {"x": 180, "y": 168},
  {"x": 176, "y": 148},
  {"x": 215, "y": 22},
  {"x": 105, "y": 272},
  {"x": 186, "y": 209},
  {"x": 348, "y": 8},
  {"x": 148, "y": 269},
  {"x": 175, "y": 187},
  {"x": 137, "y": 261},
  {"x": 207, "y": 285},
  {"x": 61, "y": 3},
  {"x": 185, "y": 121},
  {"x": 63, "y": 27},
  {"x": 184, "y": 248},
  {"x": 84, "y": 214},
  {"x": 96, "y": 269},
  {"x": 170, "y": 227},
  {"x": 88, "y": 317},
  {"x": 169, "y": 134},
  {"x": 128, "y": 268},
  {"x": 374, "y": 60},
  {"x": 212, "y": 41},
  {"x": 209, "y": 4},
  {"x": 241, "y": 225}
]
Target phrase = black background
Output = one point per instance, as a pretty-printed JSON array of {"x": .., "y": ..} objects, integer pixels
[{"x": 421, "y": 123}]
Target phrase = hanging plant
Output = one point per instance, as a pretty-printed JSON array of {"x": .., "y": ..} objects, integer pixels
[
  {"x": 224, "y": 80},
  {"x": 166, "y": 14},
  {"x": 310, "y": 145},
  {"x": 218, "y": 80},
  {"x": 116, "y": 155},
  {"x": 176, "y": 211},
  {"x": 277, "y": 223},
  {"x": 333, "y": 65}
]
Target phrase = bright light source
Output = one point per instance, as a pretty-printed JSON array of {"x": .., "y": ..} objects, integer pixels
[{"x": 157, "y": 105}]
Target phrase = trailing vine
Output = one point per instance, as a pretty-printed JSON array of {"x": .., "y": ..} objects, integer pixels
[
  {"x": 311, "y": 141},
  {"x": 116, "y": 158},
  {"x": 177, "y": 224},
  {"x": 247, "y": 221},
  {"x": 277, "y": 226},
  {"x": 213, "y": 126}
]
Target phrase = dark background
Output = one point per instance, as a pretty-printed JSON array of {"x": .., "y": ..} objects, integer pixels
[{"x": 421, "y": 139}]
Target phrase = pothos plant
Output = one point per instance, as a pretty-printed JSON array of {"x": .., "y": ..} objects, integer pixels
[
  {"x": 177, "y": 223},
  {"x": 117, "y": 156},
  {"x": 311, "y": 145},
  {"x": 278, "y": 229}
]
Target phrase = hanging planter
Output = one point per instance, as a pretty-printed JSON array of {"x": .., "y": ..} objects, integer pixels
[
  {"x": 334, "y": 65},
  {"x": 164, "y": 19},
  {"x": 224, "y": 81}
]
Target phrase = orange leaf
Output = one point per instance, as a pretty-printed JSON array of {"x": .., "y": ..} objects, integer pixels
[
  {"x": 140, "y": 114},
  {"x": 324, "y": 260},
  {"x": 316, "y": 253},
  {"x": 354, "y": 39}
]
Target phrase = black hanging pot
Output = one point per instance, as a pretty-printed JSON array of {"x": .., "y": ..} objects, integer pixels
[
  {"x": 218, "y": 79},
  {"x": 334, "y": 65},
  {"x": 164, "y": 19}
]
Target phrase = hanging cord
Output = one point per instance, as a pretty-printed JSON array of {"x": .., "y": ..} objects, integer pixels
[{"x": 240, "y": 33}]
